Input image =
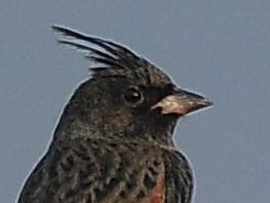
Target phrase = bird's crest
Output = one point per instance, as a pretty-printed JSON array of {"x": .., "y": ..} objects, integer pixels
[{"x": 112, "y": 59}]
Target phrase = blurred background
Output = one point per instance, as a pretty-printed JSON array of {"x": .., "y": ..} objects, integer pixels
[{"x": 218, "y": 48}]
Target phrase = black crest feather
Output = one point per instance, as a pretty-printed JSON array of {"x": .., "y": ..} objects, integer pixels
[{"x": 112, "y": 58}]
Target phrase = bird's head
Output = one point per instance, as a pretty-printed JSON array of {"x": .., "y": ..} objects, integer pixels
[{"x": 126, "y": 97}]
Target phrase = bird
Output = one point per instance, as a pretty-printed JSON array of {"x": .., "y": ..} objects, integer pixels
[{"x": 114, "y": 141}]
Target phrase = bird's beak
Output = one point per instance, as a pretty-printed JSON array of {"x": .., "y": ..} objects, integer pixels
[{"x": 182, "y": 102}]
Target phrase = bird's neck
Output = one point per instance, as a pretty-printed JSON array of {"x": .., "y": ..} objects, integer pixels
[{"x": 159, "y": 134}]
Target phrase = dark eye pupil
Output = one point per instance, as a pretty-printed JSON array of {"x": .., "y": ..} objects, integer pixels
[{"x": 132, "y": 96}]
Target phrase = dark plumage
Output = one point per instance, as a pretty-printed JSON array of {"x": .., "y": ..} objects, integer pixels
[{"x": 113, "y": 143}]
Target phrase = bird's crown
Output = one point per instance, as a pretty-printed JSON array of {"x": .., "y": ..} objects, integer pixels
[{"x": 113, "y": 59}]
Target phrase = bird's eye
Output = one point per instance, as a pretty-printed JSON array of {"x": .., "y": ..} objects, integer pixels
[{"x": 133, "y": 96}]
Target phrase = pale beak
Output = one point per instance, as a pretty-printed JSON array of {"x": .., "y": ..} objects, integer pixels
[{"x": 182, "y": 102}]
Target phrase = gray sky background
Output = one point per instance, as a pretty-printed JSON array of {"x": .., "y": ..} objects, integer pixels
[{"x": 219, "y": 48}]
